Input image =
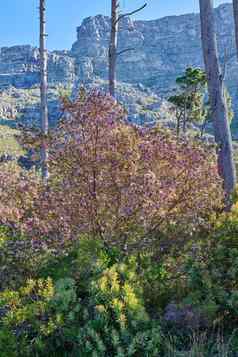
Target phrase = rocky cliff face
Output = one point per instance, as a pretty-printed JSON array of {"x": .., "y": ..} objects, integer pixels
[
  {"x": 162, "y": 50},
  {"x": 19, "y": 67}
]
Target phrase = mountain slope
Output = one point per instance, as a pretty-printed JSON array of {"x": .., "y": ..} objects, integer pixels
[{"x": 163, "y": 48}]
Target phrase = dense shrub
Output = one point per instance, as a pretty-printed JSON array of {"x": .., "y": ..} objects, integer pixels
[
  {"x": 121, "y": 184},
  {"x": 129, "y": 223},
  {"x": 18, "y": 190},
  {"x": 210, "y": 273},
  {"x": 15, "y": 265},
  {"x": 97, "y": 302},
  {"x": 106, "y": 317}
]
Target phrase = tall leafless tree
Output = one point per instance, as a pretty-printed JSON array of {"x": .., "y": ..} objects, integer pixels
[
  {"x": 219, "y": 110},
  {"x": 235, "y": 10},
  {"x": 116, "y": 17},
  {"x": 43, "y": 90},
  {"x": 113, "y": 46}
]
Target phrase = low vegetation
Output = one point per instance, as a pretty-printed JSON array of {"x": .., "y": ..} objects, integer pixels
[
  {"x": 8, "y": 142},
  {"x": 126, "y": 251}
]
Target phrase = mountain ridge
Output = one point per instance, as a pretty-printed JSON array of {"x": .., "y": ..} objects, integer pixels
[{"x": 163, "y": 49}]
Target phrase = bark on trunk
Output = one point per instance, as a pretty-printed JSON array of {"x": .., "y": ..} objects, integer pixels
[
  {"x": 43, "y": 90},
  {"x": 219, "y": 110},
  {"x": 185, "y": 117},
  {"x": 113, "y": 47},
  {"x": 235, "y": 10},
  {"x": 178, "y": 116}
]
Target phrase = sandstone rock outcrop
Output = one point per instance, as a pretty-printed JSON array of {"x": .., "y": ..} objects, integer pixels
[{"x": 163, "y": 48}]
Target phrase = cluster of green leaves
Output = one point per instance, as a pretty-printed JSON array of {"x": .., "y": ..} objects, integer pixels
[
  {"x": 212, "y": 273},
  {"x": 98, "y": 312},
  {"x": 93, "y": 301},
  {"x": 190, "y": 101}
]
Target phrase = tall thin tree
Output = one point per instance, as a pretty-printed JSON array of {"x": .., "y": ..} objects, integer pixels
[
  {"x": 235, "y": 11},
  {"x": 43, "y": 91},
  {"x": 116, "y": 17},
  {"x": 216, "y": 91},
  {"x": 113, "y": 46}
]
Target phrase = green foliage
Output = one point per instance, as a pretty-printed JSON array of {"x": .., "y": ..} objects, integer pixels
[
  {"x": 189, "y": 101},
  {"x": 15, "y": 251},
  {"x": 124, "y": 228},
  {"x": 200, "y": 344},
  {"x": 25, "y": 314},
  {"x": 194, "y": 78},
  {"x": 119, "y": 322},
  {"x": 64, "y": 91},
  {"x": 105, "y": 316},
  {"x": 8, "y": 141},
  {"x": 229, "y": 105},
  {"x": 212, "y": 273},
  {"x": 99, "y": 303}
]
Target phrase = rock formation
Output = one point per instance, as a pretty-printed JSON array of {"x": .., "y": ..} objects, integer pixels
[{"x": 163, "y": 48}]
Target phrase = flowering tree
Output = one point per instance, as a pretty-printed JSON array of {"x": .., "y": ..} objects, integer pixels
[
  {"x": 18, "y": 192},
  {"x": 120, "y": 183}
]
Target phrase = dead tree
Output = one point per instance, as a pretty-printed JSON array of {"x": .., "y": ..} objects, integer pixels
[
  {"x": 113, "y": 46},
  {"x": 235, "y": 11},
  {"x": 116, "y": 17},
  {"x": 43, "y": 91},
  {"x": 217, "y": 99}
]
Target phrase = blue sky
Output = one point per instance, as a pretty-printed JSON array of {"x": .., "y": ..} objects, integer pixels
[{"x": 19, "y": 18}]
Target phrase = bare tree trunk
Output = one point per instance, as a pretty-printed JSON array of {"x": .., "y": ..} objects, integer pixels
[
  {"x": 178, "y": 117},
  {"x": 113, "y": 46},
  {"x": 219, "y": 110},
  {"x": 43, "y": 90},
  {"x": 235, "y": 10},
  {"x": 185, "y": 117},
  {"x": 113, "y": 53}
]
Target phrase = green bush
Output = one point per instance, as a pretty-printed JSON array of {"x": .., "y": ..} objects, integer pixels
[
  {"x": 68, "y": 317},
  {"x": 95, "y": 301},
  {"x": 212, "y": 273},
  {"x": 20, "y": 258}
]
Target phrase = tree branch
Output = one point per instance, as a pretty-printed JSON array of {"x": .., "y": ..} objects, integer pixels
[
  {"x": 125, "y": 50},
  {"x": 130, "y": 13}
]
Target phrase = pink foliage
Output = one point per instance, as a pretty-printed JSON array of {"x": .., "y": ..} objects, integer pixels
[{"x": 117, "y": 182}]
